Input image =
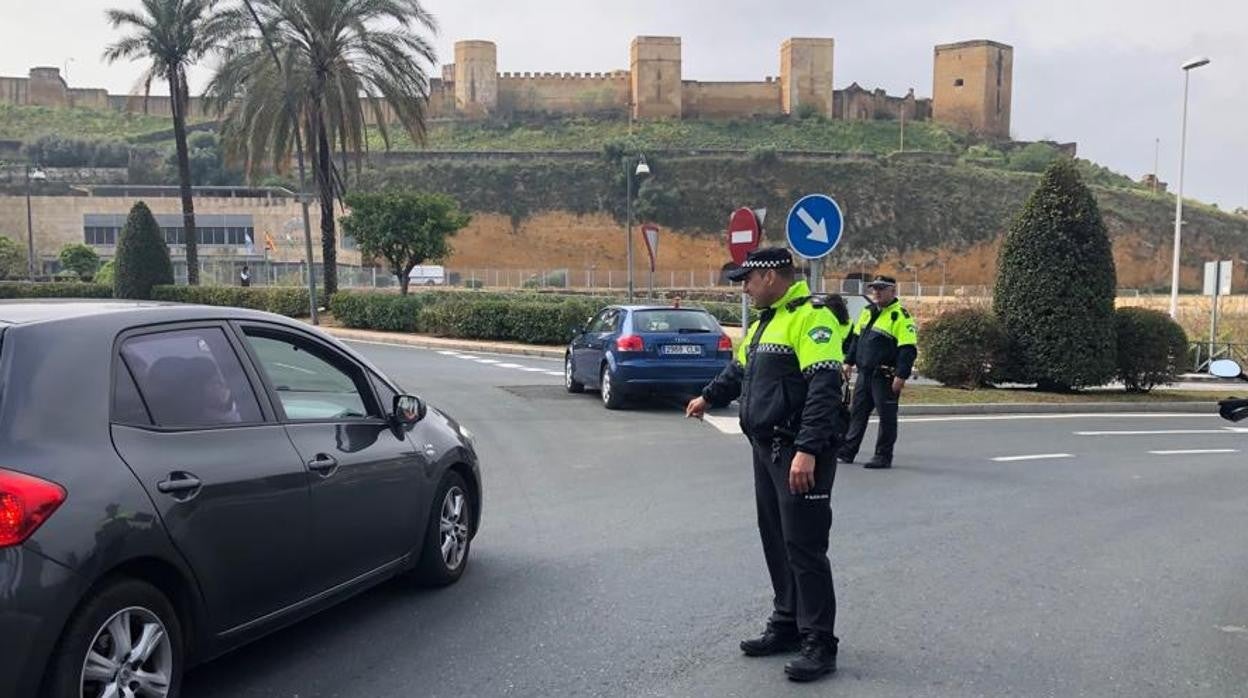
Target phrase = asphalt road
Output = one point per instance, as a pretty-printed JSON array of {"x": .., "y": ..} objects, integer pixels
[{"x": 619, "y": 557}]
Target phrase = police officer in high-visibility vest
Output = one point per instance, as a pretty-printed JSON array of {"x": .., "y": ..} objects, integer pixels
[
  {"x": 883, "y": 348},
  {"x": 787, "y": 374}
]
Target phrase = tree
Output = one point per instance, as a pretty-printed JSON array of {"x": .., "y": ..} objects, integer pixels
[
  {"x": 1056, "y": 285},
  {"x": 80, "y": 259},
  {"x": 12, "y": 258},
  {"x": 404, "y": 229},
  {"x": 142, "y": 256},
  {"x": 173, "y": 35},
  {"x": 331, "y": 52}
]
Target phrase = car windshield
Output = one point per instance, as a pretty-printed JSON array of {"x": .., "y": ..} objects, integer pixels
[{"x": 684, "y": 321}]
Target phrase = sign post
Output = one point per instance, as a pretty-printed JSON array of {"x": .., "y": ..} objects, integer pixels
[
  {"x": 813, "y": 228},
  {"x": 1217, "y": 284},
  {"x": 650, "y": 232}
]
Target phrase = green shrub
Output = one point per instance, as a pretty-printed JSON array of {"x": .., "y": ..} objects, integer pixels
[
  {"x": 1055, "y": 287},
  {"x": 386, "y": 312},
  {"x": 1033, "y": 157},
  {"x": 25, "y": 289},
  {"x": 1151, "y": 347},
  {"x": 142, "y": 256},
  {"x": 107, "y": 274},
  {"x": 12, "y": 258},
  {"x": 80, "y": 259},
  {"x": 291, "y": 301},
  {"x": 528, "y": 322},
  {"x": 66, "y": 276},
  {"x": 962, "y": 348}
]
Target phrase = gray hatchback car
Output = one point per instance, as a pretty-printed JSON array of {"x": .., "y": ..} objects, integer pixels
[{"x": 176, "y": 481}]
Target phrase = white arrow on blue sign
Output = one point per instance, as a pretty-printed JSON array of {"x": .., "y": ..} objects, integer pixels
[{"x": 814, "y": 226}]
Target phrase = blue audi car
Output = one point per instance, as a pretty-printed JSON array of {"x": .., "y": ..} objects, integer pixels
[{"x": 625, "y": 351}]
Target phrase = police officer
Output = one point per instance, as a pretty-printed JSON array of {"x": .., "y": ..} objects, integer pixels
[
  {"x": 883, "y": 347},
  {"x": 787, "y": 374}
]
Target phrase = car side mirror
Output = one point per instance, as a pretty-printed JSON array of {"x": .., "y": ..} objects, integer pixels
[
  {"x": 1225, "y": 368},
  {"x": 409, "y": 410}
]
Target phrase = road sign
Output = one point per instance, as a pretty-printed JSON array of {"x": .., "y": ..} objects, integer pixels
[
  {"x": 744, "y": 234},
  {"x": 650, "y": 232},
  {"x": 1218, "y": 278},
  {"x": 814, "y": 226}
]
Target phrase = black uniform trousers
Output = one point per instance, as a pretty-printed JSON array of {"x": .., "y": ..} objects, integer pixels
[
  {"x": 794, "y": 529},
  {"x": 872, "y": 391}
]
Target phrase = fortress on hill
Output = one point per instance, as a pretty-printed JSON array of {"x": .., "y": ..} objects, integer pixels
[{"x": 971, "y": 89}]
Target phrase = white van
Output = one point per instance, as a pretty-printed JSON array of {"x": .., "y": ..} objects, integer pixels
[{"x": 431, "y": 275}]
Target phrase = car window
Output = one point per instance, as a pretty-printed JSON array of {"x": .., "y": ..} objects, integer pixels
[
  {"x": 674, "y": 321},
  {"x": 128, "y": 407},
  {"x": 191, "y": 379},
  {"x": 384, "y": 394},
  {"x": 600, "y": 322},
  {"x": 310, "y": 383},
  {"x": 611, "y": 322}
]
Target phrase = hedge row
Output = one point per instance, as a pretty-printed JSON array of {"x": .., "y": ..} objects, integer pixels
[
  {"x": 291, "y": 301},
  {"x": 26, "y": 289}
]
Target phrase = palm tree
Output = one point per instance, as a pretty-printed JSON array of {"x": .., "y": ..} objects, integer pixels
[
  {"x": 335, "y": 60},
  {"x": 172, "y": 35}
]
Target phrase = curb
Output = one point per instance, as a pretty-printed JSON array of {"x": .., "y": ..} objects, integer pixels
[
  {"x": 1197, "y": 407},
  {"x": 422, "y": 342}
]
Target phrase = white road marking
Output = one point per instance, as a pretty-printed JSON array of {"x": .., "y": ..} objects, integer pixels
[
  {"x": 1194, "y": 452},
  {"x": 1023, "y": 416},
  {"x": 447, "y": 352},
  {"x": 510, "y": 366},
  {"x": 1038, "y": 456},
  {"x": 533, "y": 370},
  {"x": 486, "y": 361},
  {"x": 467, "y": 357},
  {"x": 1236, "y": 629},
  {"x": 555, "y": 373},
  {"x": 1159, "y": 432}
]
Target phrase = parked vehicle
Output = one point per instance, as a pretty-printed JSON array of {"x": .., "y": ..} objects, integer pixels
[
  {"x": 431, "y": 275},
  {"x": 176, "y": 481}
]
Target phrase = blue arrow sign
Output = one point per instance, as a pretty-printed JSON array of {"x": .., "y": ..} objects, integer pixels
[{"x": 814, "y": 226}]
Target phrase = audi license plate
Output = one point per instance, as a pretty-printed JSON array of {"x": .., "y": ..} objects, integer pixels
[{"x": 682, "y": 349}]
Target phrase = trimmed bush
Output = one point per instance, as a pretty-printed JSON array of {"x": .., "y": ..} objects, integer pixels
[
  {"x": 80, "y": 259},
  {"x": 379, "y": 311},
  {"x": 107, "y": 274},
  {"x": 962, "y": 348},
  {"x": 1055, "y": 287},
  {"x": 142, "y": 256},
  {"x": 291, "y": 301},
  {"x": 1151, "y": 347},
  {"x": 25, "y": 289},
  {"x": 527, "y": 322}
]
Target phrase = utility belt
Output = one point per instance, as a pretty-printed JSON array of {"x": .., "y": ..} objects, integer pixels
[{"x": 886, "y": 371}]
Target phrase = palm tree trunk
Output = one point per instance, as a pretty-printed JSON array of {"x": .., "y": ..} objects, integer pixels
[
  {"x": 178, "y": 105},
  {"x": 325, "y": 187}
]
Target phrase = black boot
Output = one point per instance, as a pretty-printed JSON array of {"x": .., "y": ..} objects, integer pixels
[
  {"x": 845, "y": 457},
  {"x": 774, "y": 640},
  {"x": 818, "y": 659},
  {"x": 879, "y": 463}
]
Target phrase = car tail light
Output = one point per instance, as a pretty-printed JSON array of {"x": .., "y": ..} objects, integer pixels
[
  {"x": 25, "y": 503},
  {"x": 630, "y": 342},
  {"x": 725, "y": 342}
]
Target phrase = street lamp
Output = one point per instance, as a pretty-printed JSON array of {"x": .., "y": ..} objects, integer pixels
[
  {"x": 37, "y": 175},
  {"x": 642, "y": 170},
  {"x": 1188, "y": 67}
]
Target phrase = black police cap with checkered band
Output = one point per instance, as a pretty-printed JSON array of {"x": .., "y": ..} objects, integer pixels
[{"x": 763, "y": 258}]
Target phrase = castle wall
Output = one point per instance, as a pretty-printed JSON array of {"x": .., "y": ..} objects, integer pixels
[
  {"x": 563, "y": 93},
  {"x": 806, "y": 75},
  {"x": 657, "y": 88},
  {"x": 15, "y": 91},
  {"x": 730, "y": 99},
  {"x": 972, "y": 86}
]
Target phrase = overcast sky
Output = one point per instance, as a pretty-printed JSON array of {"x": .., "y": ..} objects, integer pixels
[{"x": 1104, "y": 73}]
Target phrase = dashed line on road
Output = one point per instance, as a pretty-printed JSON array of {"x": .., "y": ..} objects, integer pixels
[
  {"x": 1195, "y": 452},
  {"x": 1037, "y": 456},
  {"x": 1226, "y": 431}
]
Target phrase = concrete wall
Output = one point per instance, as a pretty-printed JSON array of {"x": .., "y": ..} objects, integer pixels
[
  {"x": 563, "y": 93},
  {"x": 730, "y": 99},
  {"x": 58, "y": 221},
  {"x": 15, "y": 91},
  {"x": 806, "y": 75},
  {"x": 657, "y": 88},
  {"x": 972, "y": 86}
]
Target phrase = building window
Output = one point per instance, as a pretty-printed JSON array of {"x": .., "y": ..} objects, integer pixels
[
  {"x": 216, "y": 230},
  {"x": 958, "y": 82}
]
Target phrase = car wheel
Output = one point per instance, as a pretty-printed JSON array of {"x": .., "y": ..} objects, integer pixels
[
  {"x": 449, "y": 535},
  {"x": 612, "y": 397},
  {"x": 568, "y": 381},
  {"x": 125, "y": 640}
]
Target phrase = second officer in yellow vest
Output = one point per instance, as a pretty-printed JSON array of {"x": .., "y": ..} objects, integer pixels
[
  {"x": 883, "y": 347},
  {"x": 787, "y": 374}
]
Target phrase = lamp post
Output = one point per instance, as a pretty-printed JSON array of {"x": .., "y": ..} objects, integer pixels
[
  {"x": 1188, "y": 67},
  {"x": 642, "y": 170},
  {"x": 36, "y": 175}
]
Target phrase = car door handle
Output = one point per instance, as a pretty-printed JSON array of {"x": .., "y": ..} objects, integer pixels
[
  {"x": 324, "y": 464},
  {"x": 182, "y": 486}
]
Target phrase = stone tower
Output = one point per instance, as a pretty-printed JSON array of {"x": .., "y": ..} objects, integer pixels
[
  {"x": 972, "y": 87},
  {"x": 476, "y": 77},
  {"x": 656, "y": 82},
  {"x": 48, "y": 88},
  {"x": 806, "y": 75}
]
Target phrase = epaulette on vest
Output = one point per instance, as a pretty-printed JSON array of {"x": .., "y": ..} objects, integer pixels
[{"x": 799, "y": 302}]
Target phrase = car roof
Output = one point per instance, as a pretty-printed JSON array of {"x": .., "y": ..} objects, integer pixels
[
  {"x": 31, "y": 312},
  {"x": 636, "y": 308}
]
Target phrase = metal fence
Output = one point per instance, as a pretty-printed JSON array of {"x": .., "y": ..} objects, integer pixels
[{"x": 1205, "y": 353}]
